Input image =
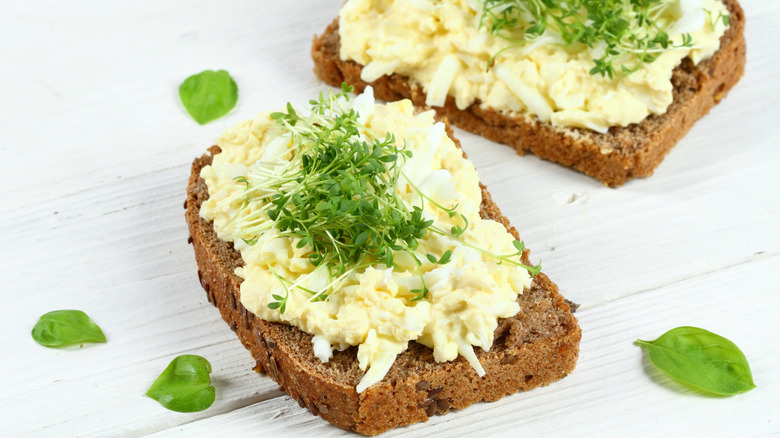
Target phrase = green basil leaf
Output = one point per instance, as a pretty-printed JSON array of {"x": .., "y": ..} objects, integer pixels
[
  {"x": 208, "y": 95},
  {"x": 702, "y": 359},
  {"x": 185, "y": 385},
  {"x": 61, "y": 328}
]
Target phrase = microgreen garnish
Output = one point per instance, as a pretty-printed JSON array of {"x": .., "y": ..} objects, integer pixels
[
  {"x": 502, "y": 258},
  {"x": 458, "y": 230},
  {"x": 208, "y": 95},
  {"x": 338, "y": 198},
  {"x": 280, "y": 302},
  {"x": 632, "y": 31},
  {"x": 724, "y": 18},
  {"x": 61, "y": 328},
  {"x": 445, "y": 258},
  {"x": 244, "y": 181},
  {"x": 701, "y": 359}
]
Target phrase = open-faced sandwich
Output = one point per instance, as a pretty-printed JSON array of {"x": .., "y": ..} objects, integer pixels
[
  {"x": 355, "y": 253},
  {"x": 605, "y": 87}
]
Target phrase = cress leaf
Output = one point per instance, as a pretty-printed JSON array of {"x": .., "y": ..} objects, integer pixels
[
  {"x": 185, "y": 385},
  {"x": 61, "y": 328},
  {"x": 701, "y": 359},
  {"x": 208, "y": 95}
]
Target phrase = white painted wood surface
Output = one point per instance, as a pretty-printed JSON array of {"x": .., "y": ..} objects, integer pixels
[{"x": 96, "y": 151}]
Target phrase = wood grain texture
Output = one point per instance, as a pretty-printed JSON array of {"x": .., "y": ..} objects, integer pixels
[{"x": 96, "y": 154}]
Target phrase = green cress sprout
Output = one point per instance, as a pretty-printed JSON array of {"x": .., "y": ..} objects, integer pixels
[
  {"x": 631, "y": 29},
  {"x": 339, "y": 197}
]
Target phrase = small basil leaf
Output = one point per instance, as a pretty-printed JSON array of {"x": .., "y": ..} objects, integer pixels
[
  {"x": 61, "y": 328},
  {"x": 208, "y": 95},
  {"x": 702, "y": 359},
  {"x": 185, "y": 385}
]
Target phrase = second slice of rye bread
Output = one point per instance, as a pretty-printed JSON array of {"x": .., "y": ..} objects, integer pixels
[{"x": 612, "y": 158}]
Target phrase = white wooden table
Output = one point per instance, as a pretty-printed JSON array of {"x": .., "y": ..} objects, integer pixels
[{"x": 96, "y": 150}]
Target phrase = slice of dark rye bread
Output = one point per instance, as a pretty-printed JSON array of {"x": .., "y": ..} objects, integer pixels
[
  {"x": 612, "y": 158},
  {"x": 536, "y": 347}
]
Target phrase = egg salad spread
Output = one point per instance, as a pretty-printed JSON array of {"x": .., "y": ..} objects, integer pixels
[
  {"x": 447, "y": 48},
  {"x": 450, "y": 274}
]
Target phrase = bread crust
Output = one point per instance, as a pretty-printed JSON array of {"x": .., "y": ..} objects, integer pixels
[
  {"x": 612, "y": 158},
  {"x": 536, "y": 347}
]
